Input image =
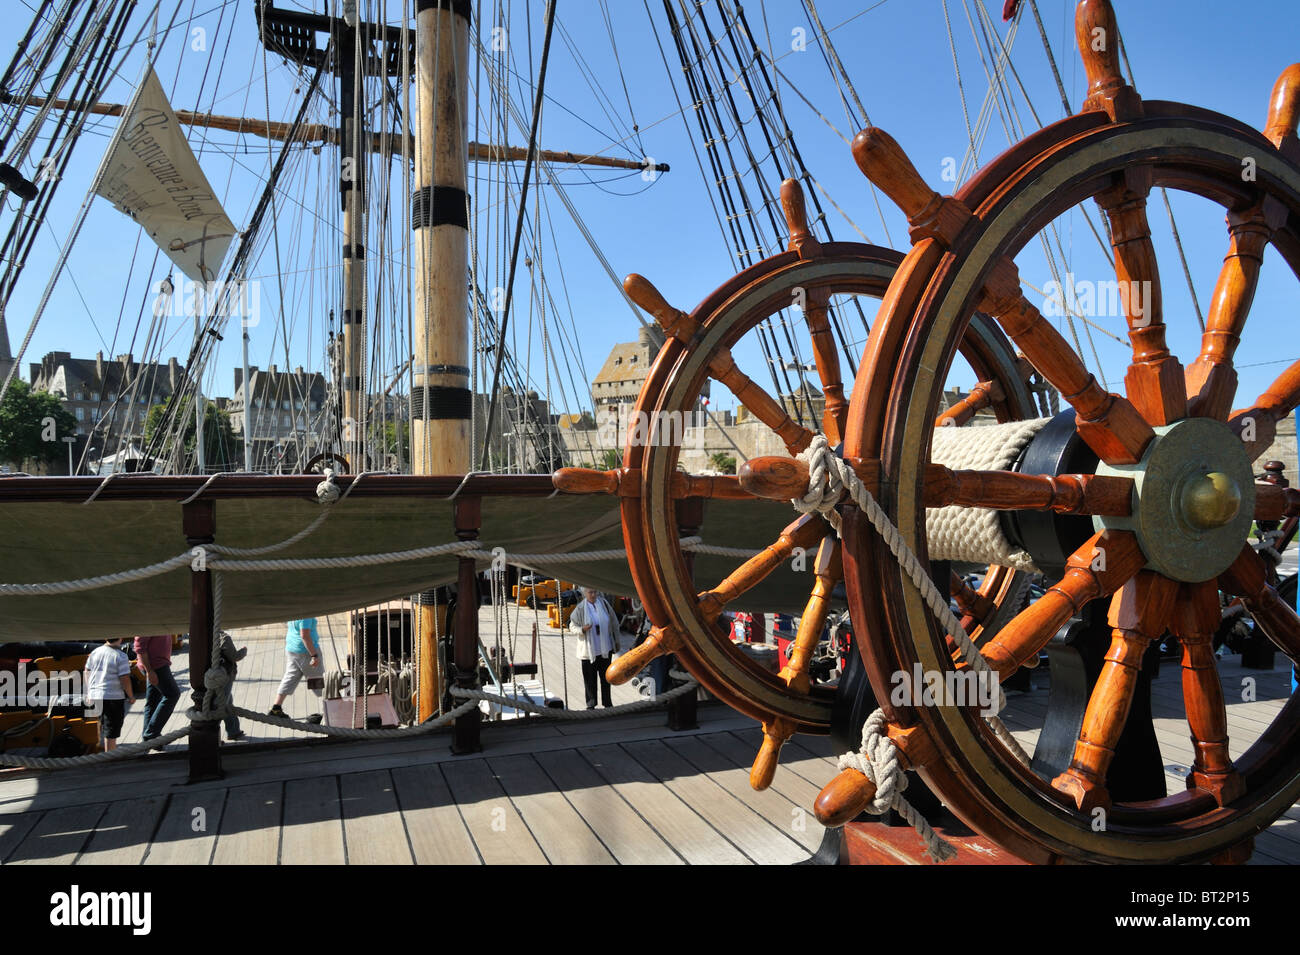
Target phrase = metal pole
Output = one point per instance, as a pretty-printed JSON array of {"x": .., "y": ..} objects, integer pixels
[
  {"x": 248, "y": 410},
  {"x": 198, "y": 392}
]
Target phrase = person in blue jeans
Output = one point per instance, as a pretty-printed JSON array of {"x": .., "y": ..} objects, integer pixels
[{"x": 154, "y": 657}]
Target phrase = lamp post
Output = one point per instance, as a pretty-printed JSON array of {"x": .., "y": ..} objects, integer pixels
[{"x": 70, "y": 440}]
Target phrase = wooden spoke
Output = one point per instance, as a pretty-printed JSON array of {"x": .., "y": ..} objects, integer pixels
[
  {"x": 1247, "y": 579},
  {"x": 929, "y": 215},
  {"x": 828, "y": 571},
  {"x": 1196, "y": 617},
  {"x": 984, "y": 393},
  {"x": 974, "y": 606},
  {"x": 781, "y": 479},
  {"x": 795, "y": 208},
  {"x": 805, "y": 533},
  {"x": 814, "y": 304},
  {"x": 1107, "y": 561},
  {"x": 1275, "y": 503},
  {"x": 661, "y": 641},
  {"x": 1109, "y": 423},
  {"x": 722, "y": 366},
  {"x": 1257, "y": 425},
  {"x": 1097, "y": 32},
  {"x": 1154, "y": 381},
  {"x": 1013, "y": 491},
  {"x": 843, "y": 798},
  {"x": 1139, "y": 613},
  {"x": 1284, "y": 107},
  {"x": 626, "y": 482},
  {"x": 1211, "y": 378}
]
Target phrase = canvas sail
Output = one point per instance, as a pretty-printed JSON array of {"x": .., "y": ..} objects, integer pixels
[
  {"x": 48, "y": 541},
  {"x": 151, "y": 175}
]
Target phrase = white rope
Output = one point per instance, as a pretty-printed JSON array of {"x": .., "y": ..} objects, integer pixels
[
  {"x": 92, "y": 583},
  {"x": 828, "y": 477},
  {"x": 347, "y": 732},
  {"x": 126, "y": 751}
]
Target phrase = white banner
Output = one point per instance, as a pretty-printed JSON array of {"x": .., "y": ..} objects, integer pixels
[{"x": 152, "y": 176}]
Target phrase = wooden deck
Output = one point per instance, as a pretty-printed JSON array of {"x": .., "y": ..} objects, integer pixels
[{"x": 623, "y": 790}]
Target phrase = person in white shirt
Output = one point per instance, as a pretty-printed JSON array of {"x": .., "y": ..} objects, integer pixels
[
  {"x": 108, "y": 683},
  {"x": 596, "y": 624}
]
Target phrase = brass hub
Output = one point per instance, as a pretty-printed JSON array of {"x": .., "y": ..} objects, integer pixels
[{"x": 1193, "y": 499}]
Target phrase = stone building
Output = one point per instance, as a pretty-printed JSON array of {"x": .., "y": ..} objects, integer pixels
[
  {"x": 110, "y": 399},
  {"x": 286, "y": 413}
]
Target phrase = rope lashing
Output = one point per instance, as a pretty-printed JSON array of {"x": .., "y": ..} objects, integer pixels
[
  {"x": 878, "y": 760},
  {"x": 828, "y": 477}
]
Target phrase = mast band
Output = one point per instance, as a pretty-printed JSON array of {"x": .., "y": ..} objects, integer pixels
[
  {"x": 440, "y": 402},
  {"x": 354, "y": 316},
  {"x": 458, "y": 7},
  {"x": 439, "y": 205},
  {"x": 441, "y": 370},
  {"x": 357, "y": 251}
]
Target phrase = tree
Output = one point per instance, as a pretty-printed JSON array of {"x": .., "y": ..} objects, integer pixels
[
  {"x": 32, "y": 426},
  {"x": 722, "y": 463},
  {"x": 220, "y": 446},
  {"x": 611, "y": 458},
  {"x": 390, "y": 437}
]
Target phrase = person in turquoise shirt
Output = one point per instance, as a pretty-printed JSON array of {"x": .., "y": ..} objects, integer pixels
[{"x": 302, "y": 659}]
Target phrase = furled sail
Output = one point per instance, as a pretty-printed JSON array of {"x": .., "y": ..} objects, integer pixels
[
  {"x": 151, "y": 175},
  {"x": 55, "y": 537}
]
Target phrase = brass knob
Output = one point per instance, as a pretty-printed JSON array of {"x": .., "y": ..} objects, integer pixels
[{"x": 1210, "y": 500}]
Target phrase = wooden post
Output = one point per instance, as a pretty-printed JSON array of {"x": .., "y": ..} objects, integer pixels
[
  {"x": 440, "y": 397},
  {"x": 199, "y": 521},
  {"x": 690, "y": 515},
  {"x": 468, "y": 517}
]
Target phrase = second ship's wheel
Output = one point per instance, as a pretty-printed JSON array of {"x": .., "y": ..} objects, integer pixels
[
  {"x": 686, "y": 618},
  {"x": 1172, "y": 500}
]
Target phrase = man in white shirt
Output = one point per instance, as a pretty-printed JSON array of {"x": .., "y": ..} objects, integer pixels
[{"x": 596, "y": 624}]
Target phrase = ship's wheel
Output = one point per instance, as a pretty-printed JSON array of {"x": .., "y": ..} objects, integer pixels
[
  {"x": 653, "y": 490},
  {"x": 1179, "y": 534}
]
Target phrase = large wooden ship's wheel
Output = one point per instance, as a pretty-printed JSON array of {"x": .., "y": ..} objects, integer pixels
[
  {"x": 686, "y": 621},
  {"x": 1179, "y": 534}
]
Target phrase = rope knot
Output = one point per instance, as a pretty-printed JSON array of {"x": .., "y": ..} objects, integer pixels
[
  {"x": 826, "y": 481},
  {"x": 216, "y": 679},
  {"x": 327, "y": 492}
]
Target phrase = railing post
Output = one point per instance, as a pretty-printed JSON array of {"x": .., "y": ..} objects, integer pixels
[
  {"x": 465, "y": 738},
  {"x": 690, "y": 517},
  {"x": 199, "y": 520}
]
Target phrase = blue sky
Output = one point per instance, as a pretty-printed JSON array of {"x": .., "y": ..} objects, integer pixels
[{"x": 897, "y": 56}]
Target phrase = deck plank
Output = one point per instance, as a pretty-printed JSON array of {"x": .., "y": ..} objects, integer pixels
[
  {"x": 771, "y": 804},
  {"x": 312, "y": 832},
  {"x": 498, "y": 830},
  {"x": 14, "y": 827},
  {"x": 437, "y": 832},
  {"x": 558, "y": 828},
  {"x": 372, "y": 825},
  {"x": 189, "y": 827},
  {"x": 756, "y": 836},
  {"x": 122, "y": 834},
  {"x": 250, "y": 826},
  {"x": 628, "y": 837},
  {"x": 59, "y": 837}
]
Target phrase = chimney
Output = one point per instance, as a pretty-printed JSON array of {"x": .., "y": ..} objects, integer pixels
[
  {"x": 99, "y": 367},
  {"x": 173, "y": 373}
]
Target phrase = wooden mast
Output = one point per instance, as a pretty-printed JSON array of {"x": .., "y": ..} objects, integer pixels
[{"x": 441, "y": 401}]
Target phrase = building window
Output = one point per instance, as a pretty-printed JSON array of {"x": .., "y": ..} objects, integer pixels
[
  {"x": 284, "y": 405},
  {"x": 285, "y": 420},
  {"x": 81, "y": 414}
]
